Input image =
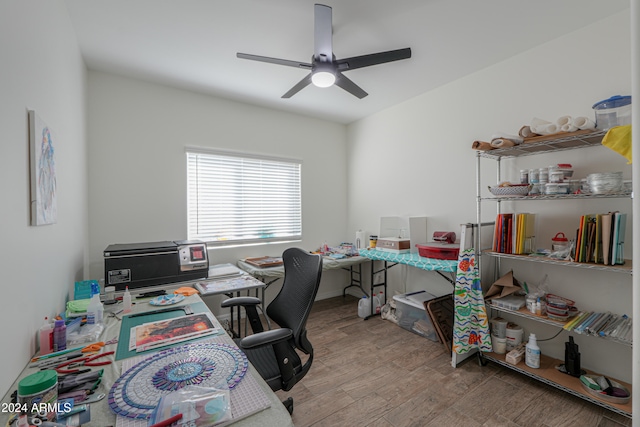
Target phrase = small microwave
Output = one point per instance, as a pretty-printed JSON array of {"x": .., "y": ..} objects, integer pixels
[{"x": 140, "y": 265}]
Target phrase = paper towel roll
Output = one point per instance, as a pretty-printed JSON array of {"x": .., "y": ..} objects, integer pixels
[
  {"x": 481, "y": 145},
  {"x": 549, "y": 129},
  {"x": 526, "y": 132},
  {"x": 360, "y": 239},
  {"x": 538, "y": 124},
  {"x": 568, "y": 127},
  {"x": 564, "y": 120},
  {"x": 502, "y": 143},
  {"x": 583, "y": 123}
]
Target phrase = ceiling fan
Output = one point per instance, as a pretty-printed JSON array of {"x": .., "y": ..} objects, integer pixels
[{"x": 325, "y": 69}]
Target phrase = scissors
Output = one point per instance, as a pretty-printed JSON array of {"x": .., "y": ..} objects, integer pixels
[
  {"x": 85, "y": 361},
  {"x": 95, "y": 347},
  {"x": 92, "y": 348}
]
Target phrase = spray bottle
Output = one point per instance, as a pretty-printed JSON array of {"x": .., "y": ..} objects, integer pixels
[{"x": 532, "y": 356}]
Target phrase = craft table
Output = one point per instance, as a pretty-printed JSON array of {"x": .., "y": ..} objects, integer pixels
[
  {"x": 269, "y": 275},
  {"x": 274, "y": 415},
  {"x": 233, "y": 286},
  {"x": 390, "y": 259}
]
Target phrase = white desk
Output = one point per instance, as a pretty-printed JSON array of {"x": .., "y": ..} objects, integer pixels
[{"x": 101, "y": 415}]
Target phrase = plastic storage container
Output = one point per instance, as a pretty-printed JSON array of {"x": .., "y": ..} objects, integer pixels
[
  {"x": 615, "y": 111},
  {"x": 413, "y": 317},
  {"x": 437, "y": 250},
  {"x": 38, "y": 389},
  {"x": 511, "y": 302}
]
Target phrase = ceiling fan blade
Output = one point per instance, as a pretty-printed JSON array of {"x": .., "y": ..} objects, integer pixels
[
  {"x": 322, "y": 34},
  {"x": 274, "y": 60},
  {"x": 298, "y": 87},
  {"x": 373, "y": 59},
  {"x": 346, "y": 84}
]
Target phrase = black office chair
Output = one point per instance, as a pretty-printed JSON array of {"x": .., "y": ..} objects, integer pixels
[{"x": 273, "y": 352}]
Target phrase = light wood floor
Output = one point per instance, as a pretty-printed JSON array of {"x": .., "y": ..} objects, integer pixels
[{"x": 374, "y": 373}]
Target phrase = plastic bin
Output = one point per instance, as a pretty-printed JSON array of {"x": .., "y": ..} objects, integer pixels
[
  {"x": 437, "y": 250},
  {"x": 615, "y": 111},
  {"x": 413, "y": 316}
]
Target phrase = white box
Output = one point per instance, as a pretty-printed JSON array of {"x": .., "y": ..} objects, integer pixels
[{"x": 412, "y": 227}]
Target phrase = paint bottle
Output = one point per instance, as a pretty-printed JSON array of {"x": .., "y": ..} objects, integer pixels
[
  {"x": 126, "y": 301},
  {"x": 95, "y": 310},
  {"x": 532, "y": 357},
  {"x": 59, "y": 336},
  {"x": 46, "y": 337}
]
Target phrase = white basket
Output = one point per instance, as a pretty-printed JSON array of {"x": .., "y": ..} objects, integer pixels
[{"x": 516, "y": 190}]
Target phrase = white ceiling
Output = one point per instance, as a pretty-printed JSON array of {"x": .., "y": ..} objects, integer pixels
[{"x": 192, "y": 44}]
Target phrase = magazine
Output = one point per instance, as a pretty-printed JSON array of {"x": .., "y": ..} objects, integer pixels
[{"x": 170, "y": 331}]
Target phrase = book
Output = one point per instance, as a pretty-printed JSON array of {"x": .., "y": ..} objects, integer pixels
[
  {"x": 597, "y": 254},
  {"x": 620, "y": 241},
  {"x": 606, "y": 237}
]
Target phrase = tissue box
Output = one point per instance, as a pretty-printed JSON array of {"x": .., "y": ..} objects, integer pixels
[{"x": 516, "y": 355}]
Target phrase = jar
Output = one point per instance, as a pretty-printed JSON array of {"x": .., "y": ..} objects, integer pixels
[
  {"x": 373, "y": 241},
  {"x": 524, "y": 176},
  {"x": 39, "y": 388},
  {"x": 559, "y": 242},
  {"x": 534, "y": 176},
  {"x": 544, "y": 175}
]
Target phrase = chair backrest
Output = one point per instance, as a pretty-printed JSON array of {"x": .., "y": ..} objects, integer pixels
[{"x": 291, "y": 307}]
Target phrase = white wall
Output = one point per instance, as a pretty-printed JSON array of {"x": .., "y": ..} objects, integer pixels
[
  {"x": 137, "y": 182},
  {"x": 41, "y": 70},
  {"x": 416, "y": 158}
]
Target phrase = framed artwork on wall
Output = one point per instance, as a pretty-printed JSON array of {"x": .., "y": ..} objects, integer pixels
[{"x": 44, "y": 209}]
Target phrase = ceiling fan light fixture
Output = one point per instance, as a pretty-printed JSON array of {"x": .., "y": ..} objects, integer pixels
[{"x": 323, "y": 78}]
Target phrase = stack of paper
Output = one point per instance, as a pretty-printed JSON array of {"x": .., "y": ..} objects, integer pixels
[{"x": 222, "y": 271}]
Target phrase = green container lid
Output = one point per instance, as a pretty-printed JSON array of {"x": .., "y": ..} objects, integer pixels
[{"x": 37, "y": 383}]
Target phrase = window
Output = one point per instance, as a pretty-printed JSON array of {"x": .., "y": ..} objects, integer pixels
[{"x": 242, "y": 199}]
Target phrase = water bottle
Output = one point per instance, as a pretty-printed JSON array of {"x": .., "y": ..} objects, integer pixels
[{"x": 364, "y": 307}]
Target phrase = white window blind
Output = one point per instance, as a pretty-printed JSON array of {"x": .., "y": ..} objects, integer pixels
[{"x": 237, "y": 199}]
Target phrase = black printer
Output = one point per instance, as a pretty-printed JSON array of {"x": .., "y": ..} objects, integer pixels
[{"x": 140, "y": 265}]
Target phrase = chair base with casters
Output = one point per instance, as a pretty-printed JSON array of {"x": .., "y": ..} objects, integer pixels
[{"x": 275, "y": 353}]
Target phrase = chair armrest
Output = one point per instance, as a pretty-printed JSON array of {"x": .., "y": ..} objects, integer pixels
[
  {"x": 271, "y": 337},
  {"x": 243, "y": 301}
]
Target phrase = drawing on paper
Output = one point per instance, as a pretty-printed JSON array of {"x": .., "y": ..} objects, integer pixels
[{"x": 43, "y": 172}]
